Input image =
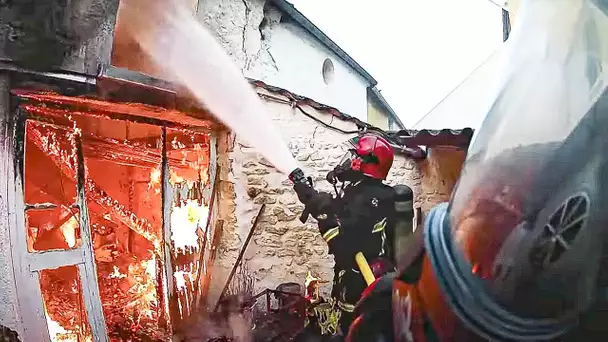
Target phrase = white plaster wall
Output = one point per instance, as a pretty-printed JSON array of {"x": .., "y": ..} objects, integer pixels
[
  {"x": 283, "y": 54},
  {"x": 298, "y": 60}
]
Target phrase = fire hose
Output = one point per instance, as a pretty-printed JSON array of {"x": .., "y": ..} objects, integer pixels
[{"x": 366, "y": 271}]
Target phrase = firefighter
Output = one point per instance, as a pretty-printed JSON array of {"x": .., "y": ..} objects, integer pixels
[
  {"x": 520, "y": 252},
  {"x": 358, "y": 219}
]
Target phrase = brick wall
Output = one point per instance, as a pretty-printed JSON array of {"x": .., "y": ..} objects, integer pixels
[{"x": 283, "y": 248}]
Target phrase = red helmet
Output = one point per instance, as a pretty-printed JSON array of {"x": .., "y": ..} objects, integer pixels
[{"x": 374, "y": 156}]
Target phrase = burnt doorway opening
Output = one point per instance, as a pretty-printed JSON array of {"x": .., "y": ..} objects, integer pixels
[{"x": 116, "y": 222}]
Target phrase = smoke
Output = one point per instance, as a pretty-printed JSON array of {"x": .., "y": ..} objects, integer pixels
[
  {"x": 233, "y": 325},
  {"x": 170, "y": 35}
]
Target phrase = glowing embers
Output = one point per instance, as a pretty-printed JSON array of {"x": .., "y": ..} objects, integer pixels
[
  {"x": 185, "y": 222},
  {"x": 188, "y": 159},
  {"x": 53, "y": 229},
  {"x": 130, "y": 301},
  {"x": 122, "y": 191},
  {"x": 188, "y": 155},
  {"x": 52, "y": 217},
  {"x": 64, "y": 307},
  {"x": 126, "y": 224}
]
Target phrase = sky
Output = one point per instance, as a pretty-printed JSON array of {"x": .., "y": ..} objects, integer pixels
[{"x": 417, "y": 50}]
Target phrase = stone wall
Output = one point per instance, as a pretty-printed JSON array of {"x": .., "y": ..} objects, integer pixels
[{"x": 282, "y": 248}]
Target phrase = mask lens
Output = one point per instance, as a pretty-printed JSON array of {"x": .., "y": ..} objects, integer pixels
[{"x": 347, "y": 158}]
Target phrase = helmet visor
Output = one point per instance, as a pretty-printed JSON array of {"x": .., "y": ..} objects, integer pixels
[{"x": 540, "y": 132}]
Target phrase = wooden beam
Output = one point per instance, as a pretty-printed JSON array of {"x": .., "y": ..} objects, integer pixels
[
  {"x": 167, "y": 200},
  {"x": 55, "y": 259},
  {"x": 240, "y": 257},
  {"x": 214, "y": 182},
  {"x": 88, "y": 269},
  {"x": 217, "y": 236},
  {"x": 29, "y": 296}
]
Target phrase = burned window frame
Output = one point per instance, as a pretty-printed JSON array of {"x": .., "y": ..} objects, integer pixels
[{"x": 27, "y": 265}]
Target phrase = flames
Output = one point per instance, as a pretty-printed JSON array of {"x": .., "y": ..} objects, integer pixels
[
  {"x": 143, "y": 290},
  {"x": 123, "y": 189},
  {"x": 58, "y": 334},
  {"x": 68, "y": 230},
  {"x": 185, "y": 221}
]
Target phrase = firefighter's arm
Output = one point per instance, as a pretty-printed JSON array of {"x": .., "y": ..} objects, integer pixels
[
  {"x": 321, "y": 209},
  {"x": 340, "y": 245},
  {"x": 319, "y": 206}
]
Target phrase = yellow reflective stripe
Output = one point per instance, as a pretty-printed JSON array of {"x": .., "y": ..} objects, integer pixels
[
  {"x": 331, "y": 233},
  {"x": 379, "y": 227},
  {"x": 346, "y": 306}
]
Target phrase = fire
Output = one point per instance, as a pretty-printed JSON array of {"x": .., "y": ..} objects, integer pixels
[
  {"x": 155, "y": 179},
  {"x": 312, "y": 287},
  {"x": 123, "y": 181},
  {"x": 310, "y": 278},
  {"x": 58, "y": 334},
  {"x": 63, "y": 305},
  {"x": 68, "y": 229},
  {"x": 116, "y": 274},
  {"x": 144, "y": 289},
  {"x": 185, "y": 221}
]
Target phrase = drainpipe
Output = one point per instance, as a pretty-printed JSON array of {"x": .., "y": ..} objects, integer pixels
[
  {"x": 506, "y": 25},
  {"x": 5, "y": 106}
]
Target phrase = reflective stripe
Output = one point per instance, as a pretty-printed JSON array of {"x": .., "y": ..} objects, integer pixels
[
  {"x": 379, "y": 227},
  {"x": 346, "y": 306},
  {"x": 331, "y": 233}
]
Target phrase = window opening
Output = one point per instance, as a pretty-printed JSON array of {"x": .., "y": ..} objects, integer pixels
[
  {"x": 52, "y": 218},
  {"x": 122, "y": 185},
  {"x": 65, "y": 312},
  {"x": 328, "y": 71},
  {"x": 122, "y": 159}
]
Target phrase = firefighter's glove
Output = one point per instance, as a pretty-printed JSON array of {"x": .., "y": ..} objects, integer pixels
[
  {"x": 304, "y": 191},
  {"x": 320, "y": 206}
]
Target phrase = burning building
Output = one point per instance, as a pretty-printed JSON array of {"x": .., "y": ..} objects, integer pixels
[{"x": 107, "y": 225}]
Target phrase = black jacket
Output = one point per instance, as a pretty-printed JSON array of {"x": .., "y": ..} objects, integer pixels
[{"x": 362, "y": 220}]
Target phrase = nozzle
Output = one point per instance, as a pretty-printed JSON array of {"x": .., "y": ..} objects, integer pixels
[{"x": 297, "y": 176}]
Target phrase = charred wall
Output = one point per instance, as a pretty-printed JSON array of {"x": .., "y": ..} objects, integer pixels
[
  {"x": 71, "y": 35},
  {"x": 8, "y": 335}
]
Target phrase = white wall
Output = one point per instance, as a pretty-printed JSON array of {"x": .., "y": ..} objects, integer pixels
[
  {"x": 283, "y": 54},
  {"x": 298, "y": 61}
]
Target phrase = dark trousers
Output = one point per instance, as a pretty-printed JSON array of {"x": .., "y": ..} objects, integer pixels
[{"x": 345, "y": 321}]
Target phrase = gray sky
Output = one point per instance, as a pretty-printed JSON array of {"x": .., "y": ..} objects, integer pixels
[{"x": 417, "y": 50}]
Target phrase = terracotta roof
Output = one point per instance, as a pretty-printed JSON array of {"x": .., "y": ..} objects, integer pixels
[
  {"x": 435, "y": 137},
  {"x": 410, "y": 139}
]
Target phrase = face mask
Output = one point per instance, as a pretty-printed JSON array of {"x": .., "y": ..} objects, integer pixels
[{"x": 346, "y": 170}]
